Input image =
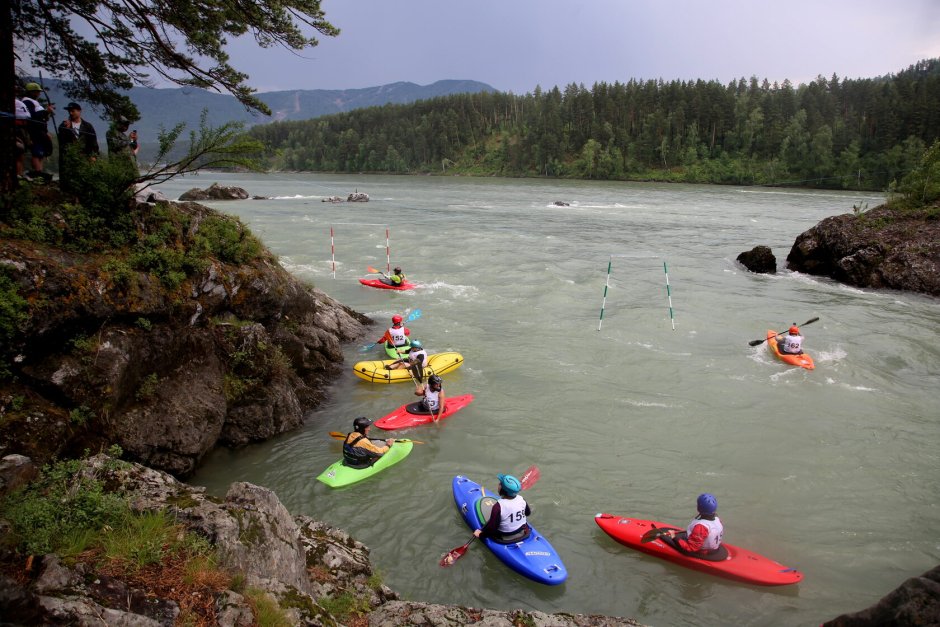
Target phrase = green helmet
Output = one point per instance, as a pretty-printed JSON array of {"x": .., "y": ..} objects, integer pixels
[{"x": 33, "y": 87}]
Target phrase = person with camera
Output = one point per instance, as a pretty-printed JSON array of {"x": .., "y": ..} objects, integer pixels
[{"x": 119, "y": 142}]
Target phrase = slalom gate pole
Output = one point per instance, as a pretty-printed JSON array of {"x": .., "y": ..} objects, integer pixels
[
  {"x": 333, "y": 251},
  {"x": 669, "y": 297},
  {"x": 606, "y": 285},
  {"x": 388, "y": 257}
]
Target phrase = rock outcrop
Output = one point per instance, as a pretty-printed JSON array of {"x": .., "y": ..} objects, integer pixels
[
  {"x": 299, "y": 562},
  {"x": 759, "y": 259},
  {"x": 235, "y": 353},
  {"x": 358, "y": 197},
  {"x": 915, "y": 603},
  {"x": 882, "y": 248},
  {"x": 215, "y": 192}
]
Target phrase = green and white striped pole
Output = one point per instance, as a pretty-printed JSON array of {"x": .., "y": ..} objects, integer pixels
[
  {"x": 606, "y": 285},
  {"x": 669, "y": 297}
]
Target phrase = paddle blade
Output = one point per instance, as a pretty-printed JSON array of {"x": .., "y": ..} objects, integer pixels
[
  {"x": 756, "y": 342},
  {"x": 455, "y": 554},
  {"x": 372, "y": 270},
  {"x": 810, "y": 321},
  {"x": 529, "y": 477},
  {"x": 414, "y": 315},
  {"x": 338, "y": 435},
  {"x": 654, "y": 534}
]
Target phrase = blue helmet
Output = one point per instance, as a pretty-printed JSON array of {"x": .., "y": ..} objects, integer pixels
[
  {"x": 509, "y": 484},
  {"x": 707, "y": 503},
  {"x": 416, "y": 344}
]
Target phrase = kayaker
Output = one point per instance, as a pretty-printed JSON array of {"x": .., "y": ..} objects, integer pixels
[
  {"x": 433, "y": 393},
  {"x": 416, "y": 360},
  {"x": 792, "y": 342},
  {"x": 359, "y": 451},
  {"x": 507, "y": 520},
  {"x": 396, "y": 335},
  {"x": 703, "y": 535},
  {"x": 396, "y": 278}
]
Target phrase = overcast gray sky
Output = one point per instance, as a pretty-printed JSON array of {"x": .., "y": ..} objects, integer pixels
[{"x": 515, "y": 45}]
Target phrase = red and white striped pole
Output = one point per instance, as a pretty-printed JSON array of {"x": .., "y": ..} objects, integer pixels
[
  {"x": 333, "y": 251},
  {"x": 388, "y": 257}
]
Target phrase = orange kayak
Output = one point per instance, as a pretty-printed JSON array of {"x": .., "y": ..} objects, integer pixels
[{"x": 803, "y": 360}]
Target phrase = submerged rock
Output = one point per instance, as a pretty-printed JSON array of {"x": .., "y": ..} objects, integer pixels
[
  {"x": 215, "y": 192},
  {"x": 358, "y": 197},
  {"x": 759, "y": 259}
]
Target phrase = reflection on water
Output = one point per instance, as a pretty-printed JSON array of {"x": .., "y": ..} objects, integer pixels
[{"x": 823, "y": 471}]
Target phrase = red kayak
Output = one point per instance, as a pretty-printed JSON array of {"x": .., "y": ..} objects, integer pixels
[
  {"x": 405, "y": 285},
  {"x": 738, "y": 564},
  {"x": 412, "y": 415}
]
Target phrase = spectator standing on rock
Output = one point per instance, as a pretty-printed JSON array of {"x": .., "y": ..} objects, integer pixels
[
  {"x": 119, "y": 142},
  {"x": 20, "y": 129},
  {"x": 40, "y": 140},
  {"x": 77, "y": 139}
]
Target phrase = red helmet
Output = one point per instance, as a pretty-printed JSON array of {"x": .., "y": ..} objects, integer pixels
[
  {"x": 794, "y": 330},
  {"x": 396, "y": 319}
]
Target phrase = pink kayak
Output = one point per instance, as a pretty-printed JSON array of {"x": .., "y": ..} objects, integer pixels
[
  {"x": 405, "y": 285},
  {"x": 411, "y": 415}
]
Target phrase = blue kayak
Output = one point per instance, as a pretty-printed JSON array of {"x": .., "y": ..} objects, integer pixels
[{"x": 533, "y": 556}]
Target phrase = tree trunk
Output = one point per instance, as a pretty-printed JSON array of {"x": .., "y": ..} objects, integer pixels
[{"x": 7, "y": 79}]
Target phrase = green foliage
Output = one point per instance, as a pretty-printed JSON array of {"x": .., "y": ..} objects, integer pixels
[
  {"x": 81, "y": 415},
  {"x": 922, "y": 186},
  {"x": 345, "y": 605},
  {"x": 103, "y": 42},
  {"x": 13, "y": 316},
  {"x": 61, "y": 512},
  {"x": 227, "y": 239},
  {"x": 148, "y": 387},
  {"x": 746, "y": 132},
  {"x": 144, "y": 324},
  {"x": 267, "y": 611}
]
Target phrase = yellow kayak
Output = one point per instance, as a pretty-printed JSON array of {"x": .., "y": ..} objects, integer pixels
[{"x": 375, "y": 372}]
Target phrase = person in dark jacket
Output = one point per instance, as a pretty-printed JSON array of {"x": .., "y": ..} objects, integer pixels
[{"x": 77, "y": 139}]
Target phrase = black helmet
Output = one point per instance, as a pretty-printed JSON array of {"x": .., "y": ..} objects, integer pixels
[
  {"x": 397, "y": 270},
  {"x": 436, "y": 380},
  {"x": 360, "y": 423}
]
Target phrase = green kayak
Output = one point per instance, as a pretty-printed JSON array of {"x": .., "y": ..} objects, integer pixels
[{"x": 338, "y": 475}]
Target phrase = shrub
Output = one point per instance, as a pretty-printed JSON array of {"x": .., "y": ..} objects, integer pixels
[
  {"x": 13, "y": 315},
  {"x": 227, "y": 239},
  {"x": 61, "y": 511}
]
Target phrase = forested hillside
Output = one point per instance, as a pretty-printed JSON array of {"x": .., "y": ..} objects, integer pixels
[{"x": 838, "y": 133}]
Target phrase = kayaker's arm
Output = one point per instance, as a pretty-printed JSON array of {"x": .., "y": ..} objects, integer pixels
[{"x": 695, "y": 541}]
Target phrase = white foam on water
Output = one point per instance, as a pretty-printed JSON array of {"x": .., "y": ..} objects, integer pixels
[
  {"x": 836, "y": 354},
  {"x": 459, "y": 291}
]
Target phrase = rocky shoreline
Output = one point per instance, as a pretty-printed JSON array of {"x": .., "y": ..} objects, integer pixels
[{"x": 303, "y": 564}]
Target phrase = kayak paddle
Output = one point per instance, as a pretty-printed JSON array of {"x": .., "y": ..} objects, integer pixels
[
  {"x": 756, "y": 342},
  {"x": 339, "y": 435},
  {"x": 655, "y": 533},
  {"x": 374, "y": 271},
  {"x": 414, "y": 315},
  {"x": 529, "y": 477}
]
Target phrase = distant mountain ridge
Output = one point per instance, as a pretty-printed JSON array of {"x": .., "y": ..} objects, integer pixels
[{"x": 169, "y": 107}]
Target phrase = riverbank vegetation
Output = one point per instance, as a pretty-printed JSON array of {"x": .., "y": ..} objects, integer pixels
[{"x": 832, "y": 133}]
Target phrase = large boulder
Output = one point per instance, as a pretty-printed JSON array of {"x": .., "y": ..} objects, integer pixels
[
  {"x": 215, "y": 192},
  {"x": 237, "y": 353},
  {"x": 882, "y": 248},
  {"x": 915, "y": 603},
  {"x": 759, "y": 259}
]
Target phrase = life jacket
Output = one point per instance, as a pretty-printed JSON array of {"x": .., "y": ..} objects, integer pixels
[
  {"x": 396, "y": 279},
  {"x": 398, "y": 335},
  {"x": 716, "y": 532},
  {"x": 356, "y": 456},
  {"x": 511, "y": 514},
  {"x": 432, "y": 398},
  {"x": 791, "y": 344},
  {"x": 421, "y": 355}
]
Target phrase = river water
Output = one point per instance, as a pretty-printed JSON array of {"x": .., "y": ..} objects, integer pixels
[{"x": 832, "y": 471}]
